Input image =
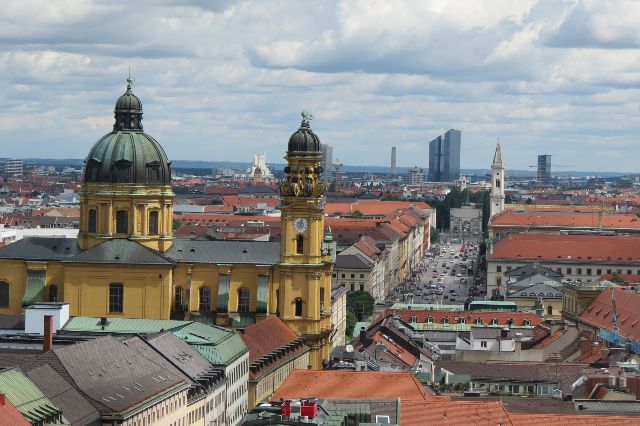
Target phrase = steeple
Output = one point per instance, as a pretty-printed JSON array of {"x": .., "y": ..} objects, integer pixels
[
  {"x": 497, "y": 183},
  {"x": 497, "y": 157}
]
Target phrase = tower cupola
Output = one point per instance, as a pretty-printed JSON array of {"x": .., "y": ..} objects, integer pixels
[{"x": 128, "y": 111}]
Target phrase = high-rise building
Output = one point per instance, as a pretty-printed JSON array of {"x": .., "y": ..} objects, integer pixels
[
  {"x": 414, "y": 177},
  {"x": 327, "y": 160},
  {"x": 444, "y": 157},
  {"x": 12, "y": 167},
  {"x": 544, "y": 168},
  {"x": 394, "y": 170}
]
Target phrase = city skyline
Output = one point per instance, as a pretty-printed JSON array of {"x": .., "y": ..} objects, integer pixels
[{"x": 542, "y": 77}]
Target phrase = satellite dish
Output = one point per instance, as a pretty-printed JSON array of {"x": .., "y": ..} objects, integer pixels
[{"x": 348, "y": 348}]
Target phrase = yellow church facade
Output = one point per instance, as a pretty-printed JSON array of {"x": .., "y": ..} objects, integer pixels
[{"x": 126, "y": 263}]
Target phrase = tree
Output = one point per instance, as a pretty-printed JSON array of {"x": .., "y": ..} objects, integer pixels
[
  {"x": 617, "y": 279},
  {"x": 357, "y": 213},
  {"x": 434, "y": 235},
  {"x": 176, "y": 224},
  {"x": 351, "y": 323},
  {"x": 360, "y": 303}
]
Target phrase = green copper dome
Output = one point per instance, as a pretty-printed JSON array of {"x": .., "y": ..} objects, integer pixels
[
  {"x": 127, "y": 154},
  {"x": 303, "y": 141}
]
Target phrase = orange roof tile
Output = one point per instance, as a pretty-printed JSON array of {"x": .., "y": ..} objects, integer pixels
[
  {"x": 351, "y": 385},
  {"x": 9, "y": 414},
  {"x": 565, "y": 219},
  {"x": 613, "y": 249},
  {"x": 470, "y": 317},
  {"x": 599, "y": 313},
  {"x": 454, "y": 413},
  {"x": 549, "y": 340},
  {"x": 266, "y": 336},
  {"x": 522, "y": 419},
  {"x": 372, "y": 207}
]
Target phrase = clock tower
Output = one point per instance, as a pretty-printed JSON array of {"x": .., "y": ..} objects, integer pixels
[{"x": 306, "y": 262}]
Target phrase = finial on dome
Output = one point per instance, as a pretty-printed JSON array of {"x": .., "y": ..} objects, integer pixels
[
  {"x": 131, "y": 81},
  {"x": 306, "y": 118}
]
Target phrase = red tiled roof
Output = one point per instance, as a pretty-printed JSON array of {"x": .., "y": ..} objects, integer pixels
[
  {"x": 454, "y": 413},
  {"x": 618, "y": 249},
  {"x": 549, "y": 340},
  {"x": 351, "y": 385},
  {"x": 470, "y": 317},
  {"x": 522, "y": 419},
  {"x": 266, "y": 336},
  {"x": 372, "y": 207},
  {"x": 599, "y": 313},
  {"x": 562, "y": 219},
  {"x": 9, "y": 414}
]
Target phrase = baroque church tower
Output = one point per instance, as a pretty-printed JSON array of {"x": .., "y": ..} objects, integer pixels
[
  {"x": 127, "y": 190},
  {"x": 497, "y": 183},
  {"x": 304, "y": 294}
]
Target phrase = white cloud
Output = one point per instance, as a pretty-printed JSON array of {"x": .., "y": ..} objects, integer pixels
[{"x": 222, "y": 79}]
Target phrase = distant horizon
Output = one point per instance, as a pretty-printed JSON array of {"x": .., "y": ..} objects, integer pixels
[{"x": 380, "y": 169}]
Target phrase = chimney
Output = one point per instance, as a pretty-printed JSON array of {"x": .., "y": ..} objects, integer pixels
[
  {"x": 363, "y": 337},
  {"x": 2, "y": 399},
  {"x": 585, "y": 345},
  {"x": 47, "y": 339}
]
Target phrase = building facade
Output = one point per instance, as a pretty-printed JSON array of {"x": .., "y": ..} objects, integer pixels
[
  {"x": 544, "y": 168},
  {"x": 125, "y": 262}
]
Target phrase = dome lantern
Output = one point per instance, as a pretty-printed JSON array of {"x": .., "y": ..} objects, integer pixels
[{"x": 128, "y": 111}]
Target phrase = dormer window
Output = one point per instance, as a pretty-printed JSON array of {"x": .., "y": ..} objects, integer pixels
[
  {"x": 154, "y": 172},
  {"x": 122, "y": 171}
]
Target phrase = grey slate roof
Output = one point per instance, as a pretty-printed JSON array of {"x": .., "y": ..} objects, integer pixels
[
  {"x": 232, "y": 252},
  {"x": 34, "y": 248},
  {"x": 353, "y": 261},
  {"x": 74, "y": 406},
  {"x": 131, "y": 252},
  {"x": 114, "y": 375},
  {"x": 121, "y": 251},
  {"x": 180, "y": 354},
  {"x": 534, "y": 291}
]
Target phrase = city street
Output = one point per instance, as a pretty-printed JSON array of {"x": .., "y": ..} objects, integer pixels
[{"x": 443, "y": 275}]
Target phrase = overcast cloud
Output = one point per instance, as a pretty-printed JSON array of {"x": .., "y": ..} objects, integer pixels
[{"x": 221, "y": 80}]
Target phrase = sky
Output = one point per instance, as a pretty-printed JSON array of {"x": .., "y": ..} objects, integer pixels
[{"x": 221, "y": 80}]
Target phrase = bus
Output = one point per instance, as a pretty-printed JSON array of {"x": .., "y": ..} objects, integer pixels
[{"x": 495, "y": 306}]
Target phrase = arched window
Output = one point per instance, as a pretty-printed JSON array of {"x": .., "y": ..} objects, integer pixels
[
  {"x": 479, "y": 321},
  {"x": 153, "y": 222},
  {"x": 243, "y": 299},
  {"x": 205, "y": 299},
  {"x": 178, "y": 299},
  {"x": 53, "y": 293},
  {"x": 299, "y": 244},
  {"x": 445, "y": 320},
  {"x": 497, "y": 183},
  {"x": 298, "y": 307},
  {"x": 4, "y": 294},
  {"x": 549, "y": 310},
  {"x": 429, "y": 320},
  {"x": 463, "y": 320},
  {"x": 122, "y": 222},
  {"x": 93, "y": 220},
  {"x": 494, "y": 321},
  {"x": 116, "y": 298}
]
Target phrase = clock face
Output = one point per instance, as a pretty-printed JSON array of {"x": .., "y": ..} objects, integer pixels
[{"x": 300, "y": 225}]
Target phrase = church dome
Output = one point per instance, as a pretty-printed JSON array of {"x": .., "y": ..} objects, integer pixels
[
  {"x": 303, "y": 141},
  {"x": 127, "y": 154}
]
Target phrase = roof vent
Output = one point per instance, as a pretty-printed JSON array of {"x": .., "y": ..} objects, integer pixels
[
  {"x": 244, "y": 251},
  {"x": 192, "y": 250}
]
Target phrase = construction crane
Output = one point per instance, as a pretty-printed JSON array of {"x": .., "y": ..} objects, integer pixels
[{"x": 337, "y": 167}]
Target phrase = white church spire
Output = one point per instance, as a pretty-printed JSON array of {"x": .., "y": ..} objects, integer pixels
[{"x": 497, "y": 183}]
